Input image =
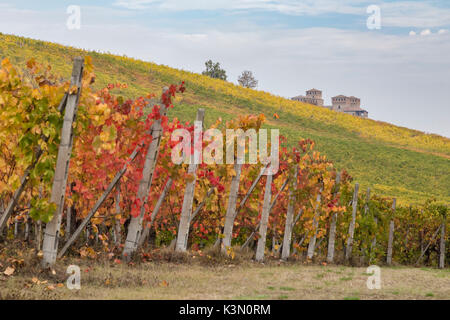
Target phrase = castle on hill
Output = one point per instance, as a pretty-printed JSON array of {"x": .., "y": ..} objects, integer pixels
[{"x": 350, "y": 105}]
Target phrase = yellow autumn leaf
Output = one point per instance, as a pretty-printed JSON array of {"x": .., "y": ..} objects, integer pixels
[{"x": 9, "y": 271}]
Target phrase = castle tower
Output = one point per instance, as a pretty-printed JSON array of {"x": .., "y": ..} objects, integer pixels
[
  {"x": 340, "y": 103},
  {"x": 313, "y": 96},
  {"x": 349, "y": 105}
]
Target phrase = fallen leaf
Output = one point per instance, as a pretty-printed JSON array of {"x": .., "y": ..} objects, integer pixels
[
  {"x": 9, "y": 271},
  {"x": 164, "y": 283},
  {"x": 60, "y": 285},
  {"x": 51, "y": 287}
]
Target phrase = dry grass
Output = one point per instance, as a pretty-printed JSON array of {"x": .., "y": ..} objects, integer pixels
[{"x": 192, "y": 278}]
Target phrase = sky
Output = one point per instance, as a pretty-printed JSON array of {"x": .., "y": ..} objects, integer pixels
[{"x": 401, "y": 70}]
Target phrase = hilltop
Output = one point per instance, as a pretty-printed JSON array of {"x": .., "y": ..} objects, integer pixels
[{"x": 393, "y": 161}]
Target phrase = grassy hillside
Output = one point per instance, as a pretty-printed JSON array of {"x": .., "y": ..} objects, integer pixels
[{"x": 393, "y": 161}]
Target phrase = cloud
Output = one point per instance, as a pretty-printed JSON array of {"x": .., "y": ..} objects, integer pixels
[
  {"x": 425, "y": 32},
  {"x": 136, "y": 4},
  {"x": 414, "y": 14},
  {"x": 293, "y": 7},
  {"x": 394, "y": 14}
]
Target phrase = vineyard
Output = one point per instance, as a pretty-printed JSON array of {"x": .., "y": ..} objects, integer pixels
[
  {"x": 89, "y": 173},
  {"x": 409, "y": 165}
]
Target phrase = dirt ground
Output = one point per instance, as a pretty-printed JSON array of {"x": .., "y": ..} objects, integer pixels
[{"x": 274, "y": 280}]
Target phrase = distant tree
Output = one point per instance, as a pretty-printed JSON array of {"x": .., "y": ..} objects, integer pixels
[
  {"x": 247, "y": 80},
  {"x": 213, "y": 70}
]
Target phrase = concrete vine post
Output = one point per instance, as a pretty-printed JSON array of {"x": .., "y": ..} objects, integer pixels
[
  {"x": 424, "y": 249},
  {"x": 391, "y": 235},
  {"x": 264, "y": 219},
  {"x": 51, "y": 234},
  {"x": 332, "y": 236},
  {"x": 188, "y": 200},
  {"x": 363, "y": 253},
  {"x": 373, "y": 245},
  {"x": 312, "y": 242},
  {"x": 26, "y": 176},
  {"x": 241, "y": 205},
  {"x": 16, "y": 228},
  {"x": 366, "y": 205},
  {"x": 69, "y": 212},
  {"x": 351, "y": 228},
  {"x": 253, "y": 234},
  {"x": 117, "y": 227},
  {"x": 202, "y": 204},
  {"x": 23, "y": 182},
  {"x": 135, "y": 226},
  {"x": 442, "y": 240},
  {"x": 287, "y": 239},
  {"x": 99, "y": 203},
  {"x": 231, "y": 213},
  {"x": 442, "y": 247},
  {"x": 156, "y": 210}
]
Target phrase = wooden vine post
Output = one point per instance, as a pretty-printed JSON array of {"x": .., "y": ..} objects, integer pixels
[
  {"x": 135, "y": 226},
  {"x": 332, "y": 236},
  {"x": 188, "y": 200},
  {"x": 391, "y": 235},
  {"x": 264, "y": 218},
  {"x": 51, "y": 234},
  {"x": 286, "y": 251},
  {"x": 351, "y": 228}
]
